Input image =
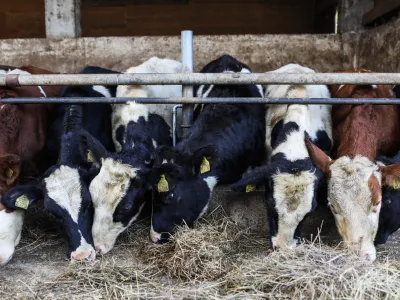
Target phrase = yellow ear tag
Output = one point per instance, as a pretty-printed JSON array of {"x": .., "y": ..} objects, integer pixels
[
  {"x": 90, "y": 157},
  {"x": 22, "y": 202},
  {"x": 205, "y": 166},
  {"x": 396, "y": 183},
  {"x": 250, "y": 188},
  {"x": 163, "y": 185},
  {"x": 9, "y": 172}
]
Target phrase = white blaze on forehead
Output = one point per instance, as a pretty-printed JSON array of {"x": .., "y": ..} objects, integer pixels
[
  {"x": 64, "y": 187},
  {"x": 293, "y": 195},
  {"x": 10, "y": 233}
]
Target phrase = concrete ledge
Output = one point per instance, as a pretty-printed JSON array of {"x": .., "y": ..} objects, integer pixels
[{"x": 323, "y": 52}]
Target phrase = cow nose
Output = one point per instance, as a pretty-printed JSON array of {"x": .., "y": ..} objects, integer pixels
[
  {"x": 100, "y": 249},
  {"x": 368, "y": 255},
  {"x": 83, "y": 255},
  {"x": 154, "y": 236}
]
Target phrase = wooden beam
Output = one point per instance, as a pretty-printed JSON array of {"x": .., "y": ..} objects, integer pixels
[{"x": 381, "y": 9}]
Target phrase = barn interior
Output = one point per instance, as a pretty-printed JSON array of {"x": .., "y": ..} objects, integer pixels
[{"x": 325, "y": 35}]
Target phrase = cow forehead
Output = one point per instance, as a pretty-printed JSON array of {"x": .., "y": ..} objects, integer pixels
[
  {"x": 346, "y": 168},
  {"x": 64, "y": 187},
  {"x": 116, "y": 170},
  {"x": 110, "y": 186},
  {"x": 349, "y": 185}
]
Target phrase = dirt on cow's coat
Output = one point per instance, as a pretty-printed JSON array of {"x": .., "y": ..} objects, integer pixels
[{"x": 215, "y": 260}]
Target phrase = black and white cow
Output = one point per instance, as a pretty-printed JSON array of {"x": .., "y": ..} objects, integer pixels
[
  {"x": 292, "y": 183},
  {"x": 224, "y": 141},
  {"x": 64, "y": 188},
  {"x": 389, "y": 217},
  {"x": 65, "y": 185},
  {"x": 121, "y": 189}
]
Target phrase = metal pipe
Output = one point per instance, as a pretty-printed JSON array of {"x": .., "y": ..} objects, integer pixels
[
  {"x": 205, "y": 100},
  {"x": 187, "y": 90},
  {"x": 174, "y": 133},
  {"x": 206, "y": 78}
]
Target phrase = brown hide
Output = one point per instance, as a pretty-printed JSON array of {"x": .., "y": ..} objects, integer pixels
[
  {"x": 23, "y": 132},
  {"x": 368, "y": 130}
]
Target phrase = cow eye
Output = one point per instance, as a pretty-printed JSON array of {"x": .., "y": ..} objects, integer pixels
[
  {"x": 388, "y": 201},
  {"x": 332, "y": 208},
  {"x": 168, "y": 198}
]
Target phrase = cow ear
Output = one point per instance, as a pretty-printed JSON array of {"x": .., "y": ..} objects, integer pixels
[
  {"x": 391, "y": 176},
  {"x": 253, "y": 178},
  {"x": 94, "y": 151},
  {"x": 23, "y": 196},
  {"x": 9, "y": 168},
  {"x": 319, "y": 158},
  {"x": 204, "y": 160}
]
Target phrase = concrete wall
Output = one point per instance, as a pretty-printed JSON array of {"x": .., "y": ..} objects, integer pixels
[
  {"x": 261, "y": 52},
  {"x": 379, "y": 48},
  {"x": 351, "y": 12}
]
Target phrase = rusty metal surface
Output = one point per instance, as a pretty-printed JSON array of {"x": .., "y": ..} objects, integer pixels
[
  {"x": 206, "y": 100},
  {"x": 203, "y": 78}
]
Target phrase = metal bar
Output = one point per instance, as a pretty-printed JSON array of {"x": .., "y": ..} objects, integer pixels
[
  {"x": 174, "y": 133},
  {"x": 206, "y": 78},
  {"x": 187, "y": 90},
  {"x": 205, "y": 100}
]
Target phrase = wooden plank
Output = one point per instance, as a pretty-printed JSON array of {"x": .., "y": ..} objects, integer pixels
[
  {"x": 113, "y": 3},
  {"x": 381, "y": 9}
]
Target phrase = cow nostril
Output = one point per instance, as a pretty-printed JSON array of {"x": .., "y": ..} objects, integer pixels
[
  {"x": 361, "y": 239},
  {"x": 98, "y": 250}
]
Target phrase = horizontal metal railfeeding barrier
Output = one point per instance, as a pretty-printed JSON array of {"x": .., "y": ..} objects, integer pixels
[
  {"x": 206, "y": 100},
  {"x": 199, "y": 78}
]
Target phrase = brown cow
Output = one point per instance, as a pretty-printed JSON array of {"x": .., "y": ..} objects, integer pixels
[
  {"x": 22, "y": 143},
  {"x": 360, "y": 133}
]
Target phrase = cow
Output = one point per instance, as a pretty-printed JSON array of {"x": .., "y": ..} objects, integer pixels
[
  {"x": 292, "y": 183},
  {"x": 22, "y": 147},
  {"x": 65, "y": 185},
  {"x": 360, "y": 134},
  {"x": 389, "y": 217},
  {"x": 120, "y": 190},
  {"x": 223, "y": 142}
]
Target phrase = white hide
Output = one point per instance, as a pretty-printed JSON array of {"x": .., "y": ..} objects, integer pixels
[
  {"x": 10, "y": 233},
  {"x": 136, "y": 110},
  {"x": 64, "y": 187},
  {"x": 294, "y": 193}
]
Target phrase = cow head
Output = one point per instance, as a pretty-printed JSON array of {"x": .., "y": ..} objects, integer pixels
[
  {"x": 389, "y": 220},
  {"x": 119, "y": 191},
  {"x": 65, "y": 190},
  {"x": 291, "y": 194},
  {"x": 10, "y": 232},
  {"x": 182, "y": 185},
  {"x": 355, "y": 196}
]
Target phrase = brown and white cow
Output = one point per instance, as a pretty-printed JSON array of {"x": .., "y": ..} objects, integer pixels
[
  {"x": 360, "y": 133},
  {"x": 22, "y": 143}
]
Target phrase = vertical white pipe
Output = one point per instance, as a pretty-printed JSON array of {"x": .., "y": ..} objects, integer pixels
[{"x": 187, "y": 90}]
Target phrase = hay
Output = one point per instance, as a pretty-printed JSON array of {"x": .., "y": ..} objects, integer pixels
[{"x": 219, "y": 260}]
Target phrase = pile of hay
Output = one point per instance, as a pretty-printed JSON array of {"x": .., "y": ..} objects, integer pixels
[{"x": 219, "y": 260}]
